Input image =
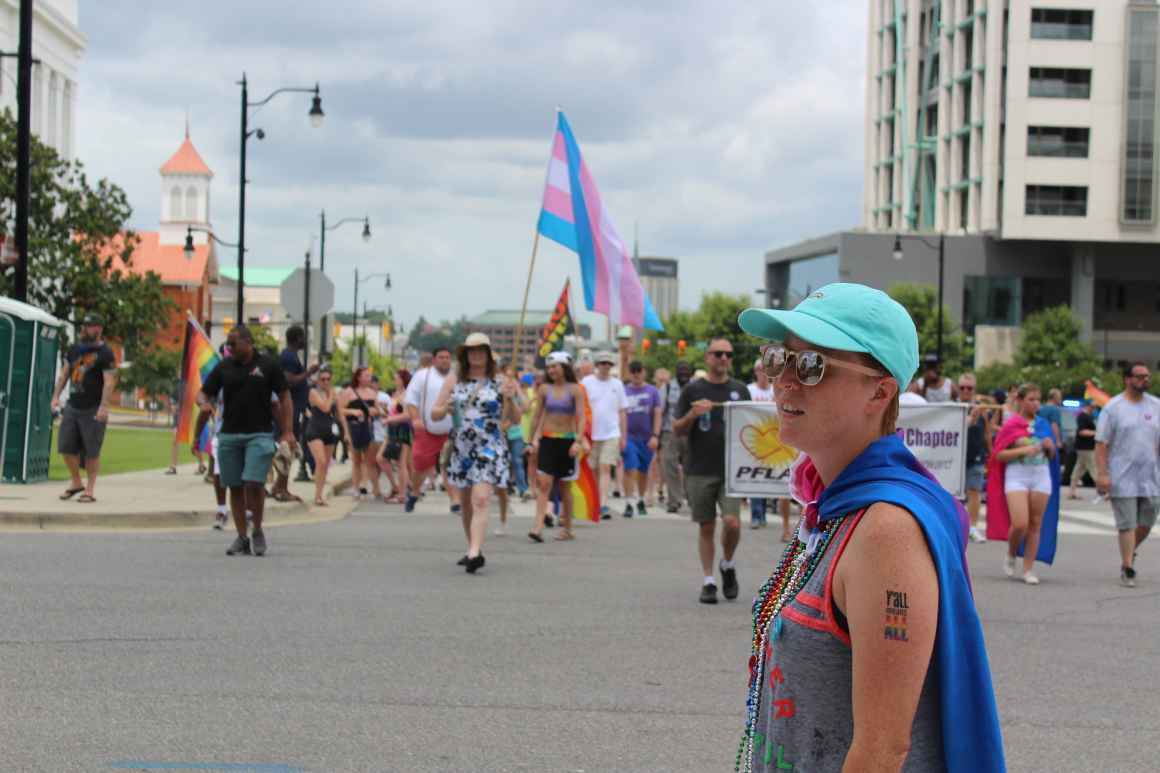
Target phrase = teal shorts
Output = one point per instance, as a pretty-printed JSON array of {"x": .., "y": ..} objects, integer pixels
[{"x": 245, "y": 458}]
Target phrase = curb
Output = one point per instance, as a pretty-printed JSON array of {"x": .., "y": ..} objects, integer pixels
[{"x": 297, "y": 514}]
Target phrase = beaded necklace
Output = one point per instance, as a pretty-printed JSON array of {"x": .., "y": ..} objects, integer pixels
[{"x": 796, "y": 567}]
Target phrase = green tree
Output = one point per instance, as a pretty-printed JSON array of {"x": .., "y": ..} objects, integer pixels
[
  {"x": 921, "y": 302},
  {"x": 80, "y": 253},
  {"x": 716, "y": 316},
  {"x": 426, "y": 336},
  {"x": 265, "y": 340},
  {"x": 383, "y": 365},
  {"x": 1053, "y": 338},
  {"x": 152, "y": 370}
]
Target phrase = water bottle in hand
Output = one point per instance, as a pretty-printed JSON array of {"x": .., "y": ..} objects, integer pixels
[{"x": 705, "y": 422}]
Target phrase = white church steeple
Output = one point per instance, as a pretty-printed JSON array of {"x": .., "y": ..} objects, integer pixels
[{"x": 185, "y": 180}]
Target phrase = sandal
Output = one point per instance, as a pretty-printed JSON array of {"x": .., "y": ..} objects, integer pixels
[
  {"x": 535, "y": 537},
  {"x": 69, "y": 493},
  {"x": 201, "y": 469},
  {"x": 565, "y": 536},
  {"x": 86, "y": 498},
  {"x": 319, "y": 501},
  {"x": 171, "y": 471}
]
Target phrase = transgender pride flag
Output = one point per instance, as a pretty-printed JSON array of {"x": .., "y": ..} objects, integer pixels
[{"x": 573, "y": 216}]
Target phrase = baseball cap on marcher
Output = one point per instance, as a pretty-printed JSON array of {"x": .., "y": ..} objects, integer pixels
[
  {"x": 93, "y": 318},
  {"x": 605, "y": 357},
  {"x": 558, "y": 358},
  {"x": 849, "y": 318}
]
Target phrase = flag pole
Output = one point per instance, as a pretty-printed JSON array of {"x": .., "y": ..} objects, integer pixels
[{"x": 524, "y": 307}]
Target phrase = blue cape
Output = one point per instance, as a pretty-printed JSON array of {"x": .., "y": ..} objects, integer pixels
[{"x": 888, "y": 472}]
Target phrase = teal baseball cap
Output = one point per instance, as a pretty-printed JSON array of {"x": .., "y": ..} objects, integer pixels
[{"x": 849, "y": 318}]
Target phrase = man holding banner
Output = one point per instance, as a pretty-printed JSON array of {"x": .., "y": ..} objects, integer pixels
[{"x": 866, "y": 634}]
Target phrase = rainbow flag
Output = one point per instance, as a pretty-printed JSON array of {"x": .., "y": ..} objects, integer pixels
[
  {"x": 1094, "y": 394},
  {"x": 585, "y": 490},
  {"x": 198, "y": 358},
  {"x": 573, "y": 215}
]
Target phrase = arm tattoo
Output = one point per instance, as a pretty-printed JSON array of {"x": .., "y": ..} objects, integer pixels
[{"x": 896, "y": 609}]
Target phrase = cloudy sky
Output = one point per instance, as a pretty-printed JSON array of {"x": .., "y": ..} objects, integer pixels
[{"x": 724, "y": 128}]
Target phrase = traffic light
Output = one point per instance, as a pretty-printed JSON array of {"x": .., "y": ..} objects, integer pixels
[
  {"x": 681, "y": 347},
  {"x": 337, "y": 330},
  {"x": 227, "y": 325}
]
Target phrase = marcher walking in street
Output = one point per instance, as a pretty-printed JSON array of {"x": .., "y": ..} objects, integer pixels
[
  {"x": 978, "y": 451},
  {"x": 91, "y": 370},
  {"x": 246, "y": 446},
  {"x": 761, "y": 391},
  {"x": 298, "y": 376},
  {"x": 1085, "y": 448},
  {"x": 358, "y": 404},
  {"x": 866, "y": 635},
  {"x": 1127, "y": 442},
  {"x": 479, "y": 462},
  {"x": 1019, "y": 485},
  {"x": 557, "y": 442},
  {"x": 322, "y": 428},
  {"x": 656, "y": 478},
  {"x": 934, "y": 386},
  {"x": 429, "y": 435},
  {"x": 701, "y": 417},
  {"x": 643, "y": 425},
  {"x": 609, "y": 431},
  {"x": 395, "y": 455},
  {"x": 674, "y": 447}
]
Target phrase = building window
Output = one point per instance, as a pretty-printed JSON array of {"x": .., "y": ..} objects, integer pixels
[
  {"x": 1060, "y": 83},
  {"x": 175, "y": 205},
  {"x": 1061, "y": 24},
  {"x": 1139, "y": 162},
  {"x": 1058, "y": 141},
  {"x": 191, "y": 204},
  {"x": 1067, "y": 200},
  {"x": 991, "y": 300}
]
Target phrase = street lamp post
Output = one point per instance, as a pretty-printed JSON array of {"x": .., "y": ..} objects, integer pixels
[
  {"x": 354, "y": 309},
  {"x": 316, "y": 116},
  {"x": 942, "y": 240},
  {"x": 366, "y": 235}
]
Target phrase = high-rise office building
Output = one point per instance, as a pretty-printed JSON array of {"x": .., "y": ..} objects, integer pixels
[{"x": 1025, "y": 134}]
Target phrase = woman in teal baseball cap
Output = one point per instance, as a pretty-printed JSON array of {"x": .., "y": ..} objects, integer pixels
[{"x": 867, "y": 652}]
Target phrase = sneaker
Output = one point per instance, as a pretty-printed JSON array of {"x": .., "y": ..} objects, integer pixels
[
  {"x": 500, "y": 531},
  {"x": 1128, "y": 577},
  {"x": 549, "y": 522},
  {"x": 259, "y": 542},
  {"x": 1030, "y": 579},
  {"x": 219, "y": 521},
  {"x": 708, "y": 593},
  {"x": 755, "y": 524},
  {"x": 455, "y": 509},
  {"x": 977, "y": 536},
  {"x": 640, "y": 508},
  {"x": 605, "y": 514},
  {"x": 616, "y": 495},
  {"x": 240, "y": 545},
  {"x": 1009, "y": 566},
  {"x": 673, "y": 509},
  {"x": 628, "y": 511},
  {"x": 475, "y": 564},
  {"x": 409, "y": 507},
  {"x": 463, "y": 561},
  {"x": 729, "y": 586}
]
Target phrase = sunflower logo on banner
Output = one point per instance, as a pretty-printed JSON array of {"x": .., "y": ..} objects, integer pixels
[{"x": 560, "y": 325}]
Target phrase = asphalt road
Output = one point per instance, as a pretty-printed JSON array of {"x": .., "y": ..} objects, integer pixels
[{"x": 359, "y": 646}]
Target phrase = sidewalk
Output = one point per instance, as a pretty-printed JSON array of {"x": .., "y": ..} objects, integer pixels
[{"x": 153, "y": 500}]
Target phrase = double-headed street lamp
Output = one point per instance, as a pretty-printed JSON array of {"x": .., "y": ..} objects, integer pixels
[
  {"x": 386, "y": 286},
  {"x": 189, "y": 248},
  {"x": 366, "y": 235},
  {"x": 941, "y": 246},
  {"x": 316, "y": 116}
]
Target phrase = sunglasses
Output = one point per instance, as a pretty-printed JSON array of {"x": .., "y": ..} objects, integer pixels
[
  {"x": 966, "y": 388},
  {"x": 810, "y": 365},
  {"x": 1141, "y": 375},
  {"x": 720, "y": 354}
]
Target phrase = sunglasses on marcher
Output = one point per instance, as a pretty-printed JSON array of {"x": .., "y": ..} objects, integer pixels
[
  {"x": 810, "y": 366},
  {"x": 720, "y": 354}
]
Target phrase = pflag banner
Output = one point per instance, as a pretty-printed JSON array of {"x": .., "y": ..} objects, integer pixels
[
  {"x": 757, "y": 463},
  {"x": 198, "y": 359},
  {"x": 560, "y": 325},
  {"x": 573, "y": 216}
]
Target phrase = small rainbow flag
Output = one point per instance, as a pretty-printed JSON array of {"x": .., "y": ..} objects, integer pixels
[
  {"x": 198, "y": 359},
  {"x": 585, "y": 491},
  {"x": 1096, "y": 395}
]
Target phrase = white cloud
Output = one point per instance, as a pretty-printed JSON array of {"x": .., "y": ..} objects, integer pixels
[{"x": 725, "y": 129}]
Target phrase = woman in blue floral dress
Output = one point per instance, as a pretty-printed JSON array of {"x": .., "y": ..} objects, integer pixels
[{"x": 480, "y": 462}]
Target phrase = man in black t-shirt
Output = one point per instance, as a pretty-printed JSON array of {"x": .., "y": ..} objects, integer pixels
[
  {"x": 298, "y": 377},
  {"x": 701, "y": 417},
  {"x": 246, "y": 446},
  {"x": 1085, "y": 448},
  {"x": 91, "y": 369}
]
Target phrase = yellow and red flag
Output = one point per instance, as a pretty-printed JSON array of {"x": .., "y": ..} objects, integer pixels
[
  {"x": 559, "y": 325},
  {"x": 1093, "y": 393}
]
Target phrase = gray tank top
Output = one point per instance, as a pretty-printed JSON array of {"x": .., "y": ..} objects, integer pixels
[{"x": 806, "y": 719}]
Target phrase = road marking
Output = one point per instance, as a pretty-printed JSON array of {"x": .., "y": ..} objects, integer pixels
[{"x": 246, "y": 767}]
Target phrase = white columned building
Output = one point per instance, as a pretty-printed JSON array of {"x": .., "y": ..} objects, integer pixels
[{"x": 58, "y": 44}]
